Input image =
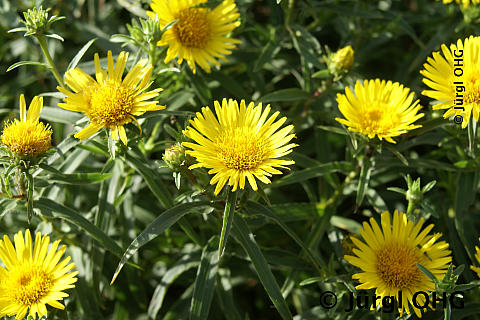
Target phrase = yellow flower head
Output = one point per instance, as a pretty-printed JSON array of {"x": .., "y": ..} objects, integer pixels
[
  {"x": 241, "y": 144},
  {"x": 477, "y": 256},
  {"x": 28, "y": 136},
  {"x": 33, "y": 276},
  {"x": 454, "y": 79},
  {"x": 379, "y": 108},
  {"x": 200, "y": 35},
  {"x": 109, "y": 101},
  {"x": 389, "y": 255},
  {"x": 465, "y": 3}
]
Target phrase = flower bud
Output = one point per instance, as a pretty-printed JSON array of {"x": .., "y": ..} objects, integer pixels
[
  {"x": 342, "y": 60},
  {"x": 37, "y": 21},
  {"x": 175, "y": 157}
]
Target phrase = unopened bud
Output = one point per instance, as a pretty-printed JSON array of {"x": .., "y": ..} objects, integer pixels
[
  {"x": 342, "y": 60},
  {"x": 175, "y": 157}
]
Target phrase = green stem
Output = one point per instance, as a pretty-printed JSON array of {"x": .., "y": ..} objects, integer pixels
[
  {"x": 336, "y": 195},
  {"x": 51, "y": 64},
  {"x": 291, "y": 4},
  {"x": 410, "y": 208},
  {"x": 227, "y": 220},
  {"x": 152, "y": 54}
]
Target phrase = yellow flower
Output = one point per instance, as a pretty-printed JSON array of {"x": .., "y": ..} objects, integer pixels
[
  {"x": 27, "y": 136},
  {"x": 379, "y": 108},
  {"x": 389, "y": 255},
  {"x": 200, "y": 35},
  {"x": 241, "y": 144},
  {"x": 455, "y": 84},
  {"x": 33, "y": 278},
  {"x": 108, "y": 101},
  {"x": 477, "y": 256},
  {"x": 465, "y": 3}
]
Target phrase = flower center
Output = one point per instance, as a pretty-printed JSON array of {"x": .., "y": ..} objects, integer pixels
[
  {"x": 396, "y": 265},
  {"x": 27, "y": 138},
  {"x": 28, "y": 286},
  {"x": 238, "y": 149},
  {"x": 110, "y": 104},
  {"x": 379, "y": 118},
  {"x": 472, "y": 87},
  {"x": 192, "y": 28}
]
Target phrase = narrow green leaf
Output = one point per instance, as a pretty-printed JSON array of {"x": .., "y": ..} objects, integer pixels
[
  {"x": 24, "y": 63},
  {"x": 186, "y": 263},
  {"x": 157, "y": 227},
  {"x": 152, "y": 179},
  {"x": 322, "y": 74},
  {"x": 230, "y": 84},
  {"x": 56, "y": 114},
  {"x": 315, "y": 172},
  {"x": 244, "y": 236},
  {"x": 227, "y": 221},
  {"x": 74, "y": 178},
  {"x": 54, "y": 36},
  {"x": 363, "y": 181},
  {"x": 73, "y": 217},
  {"x": 205, "y": 281},
  {"x": 292, "y": 94},
  {"x": 80, "y": 54},
  {"x": 20, "y": 29},
  {"x": 427, "y": 272},
  {"x": 397, "y": 154},
  {"x": 30, "y": 189},
  {"x": 64, "y": 146},
  {"x": 225, "y": 295},
  {"x": 256, "y": 208},
  {"x": 311, "y": 280},
  {"x": 267, "y": 54}
]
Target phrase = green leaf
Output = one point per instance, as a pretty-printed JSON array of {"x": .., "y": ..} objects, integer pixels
[
  {"x": 427, "y": 272},
  {"x": 230, "y": 84},
  {"x": 363, "y": 181},
  {"x": 311, "y": 280},
  {"x": 152, "y": 179},
  {"x": 333, "y": 129},
  {"x": 186, "y": 263},
  {"x": 244, "y": 236},
  {"x": 61, "y": 211},
  {"x": 307, "y": 46},
  {"x": 205, "y": 281},
  {"x": 227, "y": 220},
  {"x": 157, "y": 227},
  {"x": 256, "y": 208},
  {"x": 315, "y": 172},
  {"x": 24, "y": 63},
  {"x": 225, "y": 296},
  {"x": 292, "y": 94},
  {"x": 67, "y": 144},
  {"x": 80, "y": 54},
  {"x": 267, "y": 54},
  {"x": 74, "y": 178},
  {"x": 397, "y": 154},
  {"x": 30, "y": 189},
  {"x": 20, "y": 29},
  {"x": 54, "y": 36},
  {"x": 322, "y": 74},
  {"x": 56, "y": 114}
]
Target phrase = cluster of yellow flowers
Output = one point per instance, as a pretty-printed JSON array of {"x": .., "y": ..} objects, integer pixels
[{"x": 241, "y": 141}]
